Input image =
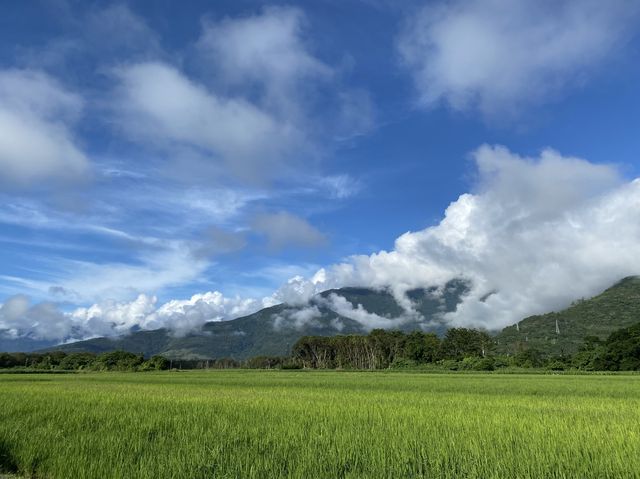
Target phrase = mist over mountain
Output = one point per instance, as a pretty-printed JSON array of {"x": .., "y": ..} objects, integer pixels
[{"x": 273, "y": 330}]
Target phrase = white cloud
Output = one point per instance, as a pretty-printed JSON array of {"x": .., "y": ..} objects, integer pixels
[
  {"x": 163, "y": 265},
  {"x": 340, "y": 186},
  {"x": 37, "y": 146},
  {"x": 541, "y": 232},
  {"x": 264, "y": 105},
  {"x": 500, "y": 55},
  {"x": 20, "y": 318},
  {"x": 298, "y": 290},
  {"x": 358, "y": 313},
  {"x": 297, "y": 318},
  {"x": 110, "y": 317},
  {"x": 219, "y": 204},
  {"x": 537, "y": 232},
  {"x": 266, "y": 50},
  {"x": 179, "y": 316},
  {"x": 284, "y": 229},
  {"x": 160, "y": 104}
]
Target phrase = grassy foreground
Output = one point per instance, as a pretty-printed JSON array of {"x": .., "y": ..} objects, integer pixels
[{"x": 261, "y": 424}]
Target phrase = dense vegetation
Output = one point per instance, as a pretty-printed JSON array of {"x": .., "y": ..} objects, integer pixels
[
  {"x": 459, "y": 349},
  {"x": 617, "y": 307},
  {"x": 58, "y": 360},
  {"x": 383, "y": 349},
  {"x": 320, "y": 424}
]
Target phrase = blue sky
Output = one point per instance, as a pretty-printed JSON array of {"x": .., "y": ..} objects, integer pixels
[{"x": 171, "y": 149}]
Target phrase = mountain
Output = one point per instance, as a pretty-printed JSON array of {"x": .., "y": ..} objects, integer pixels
[
  {"x": 617, "y": 307},
  {"x": 272, "y": 331},
  {"x": 26, "y": 344}
]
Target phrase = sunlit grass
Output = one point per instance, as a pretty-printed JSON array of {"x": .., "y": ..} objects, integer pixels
[{"x": 244, "y": 424}]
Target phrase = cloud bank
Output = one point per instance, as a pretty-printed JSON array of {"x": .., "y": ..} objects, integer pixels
[
  {"x": 539, "y": 232},
  {"x": 501, "y": 55},
  {"x": 45, "y": 321}
]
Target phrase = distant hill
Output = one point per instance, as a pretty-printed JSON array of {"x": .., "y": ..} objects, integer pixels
[
  {"x": 25, "y": 344},
  {"x": 272, "y": 331},
  {"x": 617, "y": 307}
]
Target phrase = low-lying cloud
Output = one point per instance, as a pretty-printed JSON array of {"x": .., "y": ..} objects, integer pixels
[
  {"x": 19, "y": 317},
  {"x": 538, "y": 232}
]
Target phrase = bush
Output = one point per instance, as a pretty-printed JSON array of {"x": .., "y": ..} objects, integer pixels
[
  {"x": 76, "y": 361},
  {"x": 403, "y": 363},
  {"x": 156, "y": 363},
  {"x": 118, "y": 361},
  {"x": 556, "y": 365}
]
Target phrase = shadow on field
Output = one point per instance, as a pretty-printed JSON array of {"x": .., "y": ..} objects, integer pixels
[{"x": 7, "y": 462}]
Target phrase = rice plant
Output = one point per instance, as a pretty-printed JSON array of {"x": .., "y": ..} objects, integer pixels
[{"x": 303, "y": 424}]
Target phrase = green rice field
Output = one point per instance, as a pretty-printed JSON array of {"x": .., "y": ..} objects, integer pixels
[{"x": 299, "y": 424}]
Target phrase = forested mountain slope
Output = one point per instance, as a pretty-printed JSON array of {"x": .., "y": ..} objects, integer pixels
[{"x": 615, "y": 308}]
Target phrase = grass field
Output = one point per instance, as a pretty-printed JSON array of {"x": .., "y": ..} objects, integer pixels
[{"x": 261, "y": 424}]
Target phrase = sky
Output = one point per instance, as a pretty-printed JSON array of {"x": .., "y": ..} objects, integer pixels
[{"x": 163, "y": 164}]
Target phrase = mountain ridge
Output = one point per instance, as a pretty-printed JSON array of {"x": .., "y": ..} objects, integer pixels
[
  {"x": 615, "y": 308},
  {"x": 273, "y": 330}
]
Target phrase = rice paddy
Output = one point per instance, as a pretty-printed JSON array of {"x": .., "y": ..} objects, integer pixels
[{"x": 320, "y": 424}]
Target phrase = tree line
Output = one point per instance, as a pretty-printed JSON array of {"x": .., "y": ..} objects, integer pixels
[
  {"x": 61, "y": 361},
  {"x": 459, "y": 349},
  {"x": 382, "y": 349}
]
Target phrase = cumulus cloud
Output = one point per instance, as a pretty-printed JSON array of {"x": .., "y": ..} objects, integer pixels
[
  {"x": 538, "y": 232},
  {"x": 20, "y": 318},
  {"x": 37, "y": 146},
  {"x": 179, "y": 316},
  {"x": 45, "y": 321},
  {"x": 284, "y": 229},
  {"x": 298, "y": 290},
  {"x": 499, "y": 55}
]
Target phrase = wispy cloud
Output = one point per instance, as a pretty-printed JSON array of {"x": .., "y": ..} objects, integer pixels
[
  {"x": 284, "y": 229},
  {"x": 37, "y": 144},
  {"x": 502, "y": 55}
]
